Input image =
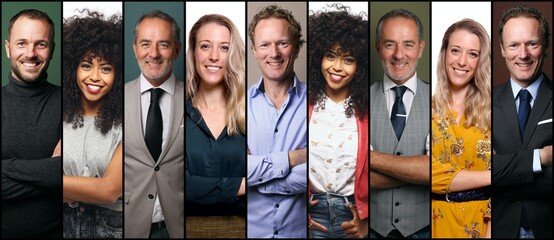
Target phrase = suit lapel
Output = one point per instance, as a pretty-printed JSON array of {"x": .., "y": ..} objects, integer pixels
[
  {"x": 508, "y": 106},
  {"x": 176, "y": 118},
  {"x": 544, "y": 98}
]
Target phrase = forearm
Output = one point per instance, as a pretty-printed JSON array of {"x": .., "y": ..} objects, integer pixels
[
  {"x": 381, "y": 181},
  {"x": 410, "y": 169},
  {"x": 264, "y": 168},
  {"x": 467, "y": 180},
  {"x": 42, "y": 173},
  {"x": 209, "y": 190},
  {"x": 12, "y": 189},
  {"x": 90, "y": 189},
  {"x": 294, "y": 183}
]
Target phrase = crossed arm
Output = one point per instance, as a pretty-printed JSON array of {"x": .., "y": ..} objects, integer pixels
[
  {"x": 278, "y": 173},
  {"x": 102, "y": 190}
]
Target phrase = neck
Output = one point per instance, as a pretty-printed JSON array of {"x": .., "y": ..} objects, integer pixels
[
  {"x": 91, "y": 108},
  {"x": 210, "y": 97},
  {"x": 336, "y": 95},
  {"x": 277, "y": 89}
]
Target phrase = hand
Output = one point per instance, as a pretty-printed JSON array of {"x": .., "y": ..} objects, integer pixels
[
  {"x": 313, "y": 225},
  {"x": 297, "y": 157},
  {"x": 546, "y": 156},
  {"x": 58, "y": 149},
  {"x": 242, "y": 188},
  {"x": 356, "y": 228}
]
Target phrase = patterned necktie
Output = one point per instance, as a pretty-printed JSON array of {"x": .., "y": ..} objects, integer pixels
[
  {"x": 398, "y": 114},
  {"x": 154, "y": 124}
]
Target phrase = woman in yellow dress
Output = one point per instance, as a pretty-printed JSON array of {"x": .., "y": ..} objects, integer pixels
[{"x": 461, "y": 137}]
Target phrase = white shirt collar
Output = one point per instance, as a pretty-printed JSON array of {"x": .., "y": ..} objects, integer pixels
[
  {"x": 168, "y": 86},
  {"x": 411, "y": 84}
]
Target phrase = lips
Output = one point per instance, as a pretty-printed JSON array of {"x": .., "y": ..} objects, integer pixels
[
  {"x": 460, "y": 72},
  {"x": 213, "y": 68},
  {"x": 94, "y": 88},
  {"x": 274, "y": 64},
  {"x": 336, "y": 78}
]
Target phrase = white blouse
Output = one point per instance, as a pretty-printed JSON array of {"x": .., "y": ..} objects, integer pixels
[{"x": 333, "y": 146}]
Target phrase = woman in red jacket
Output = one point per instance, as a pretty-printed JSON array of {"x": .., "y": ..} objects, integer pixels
[{"x": 338, "y": 126}]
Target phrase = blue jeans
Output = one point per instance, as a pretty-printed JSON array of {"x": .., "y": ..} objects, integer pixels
[
  {"x": 424, "y": 233},
  {"x": 90, "y": 221},
  {"x": 330, "y": 211}
]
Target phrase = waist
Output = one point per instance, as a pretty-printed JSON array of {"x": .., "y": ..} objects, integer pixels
[
  {"x": 464, "y": 196},
  {"x": 327, "y": 196}
]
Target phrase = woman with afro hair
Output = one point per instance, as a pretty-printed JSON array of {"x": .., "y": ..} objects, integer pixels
[
  {"x": 338, "y": 125},
  {"x": 92, "y": 129}
]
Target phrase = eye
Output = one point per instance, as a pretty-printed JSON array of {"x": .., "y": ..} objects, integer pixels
[
  {"x": 204, "y": 46},
  {"x": 455, "y": 51},
  {"x": 283, "y": 44},
  {"x": 349, "y": 60},
  {"x": 409, "y": 45},
  {"x": 512, "y": 46},
  {"x": 264, "y": 45},
  {"x": 164, "y": 45},
  {"x": 330, "y": 56},
  {"x": 106, "y": 69},
  {"x": 145, "y": 45},
  {"x": 42, "y": 45},
  {"x": 85, "y": 66},
  {"x": 20, "y": 44},
  {"x": 533, "y": 44},
  {"x": 389, "y": 45},
  {"x": 474, "y": 54}
]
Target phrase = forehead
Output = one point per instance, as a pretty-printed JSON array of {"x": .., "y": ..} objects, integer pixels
[
  {"x": 464, "y": 38},
  {"x": 399, "y": 26},
  {"x": 25, "y": 27},
  {"x": 521, "y": 25},
  {"x": 213, "y": 30},
  {"x": 154, "y": 27},
  {"x": 271, "y": 25}
]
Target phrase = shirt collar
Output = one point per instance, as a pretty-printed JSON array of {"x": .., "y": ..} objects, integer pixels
[
  {"x": 260, "y": 87},
  {"x": 533, "y": 88},
  {"x": 168, "y": 86},
  {"x": 411, "y": 84}
]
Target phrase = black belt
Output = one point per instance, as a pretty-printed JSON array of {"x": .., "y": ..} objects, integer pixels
[
  {"x": 158, "y": 225},
  {"x": 464, "y": 196}
]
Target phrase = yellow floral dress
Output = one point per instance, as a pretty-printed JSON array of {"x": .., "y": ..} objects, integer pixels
[{"x": 454, "y": 148}]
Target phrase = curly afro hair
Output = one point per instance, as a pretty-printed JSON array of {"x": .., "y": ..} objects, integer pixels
[
  {"x": 327, "y": 28},
  {"x": 92, "y": 37}
]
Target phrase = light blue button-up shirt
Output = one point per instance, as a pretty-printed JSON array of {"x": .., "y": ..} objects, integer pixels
[{"x": 277, "y": 200}]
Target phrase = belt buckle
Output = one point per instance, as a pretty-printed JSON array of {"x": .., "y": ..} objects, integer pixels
[{"x": 447, "y": 199}]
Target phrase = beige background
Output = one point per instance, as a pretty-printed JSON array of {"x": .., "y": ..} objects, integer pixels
[{"x": 299, "y": 9}]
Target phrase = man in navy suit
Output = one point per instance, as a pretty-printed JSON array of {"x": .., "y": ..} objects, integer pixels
[{"x": 522, "y": 130}]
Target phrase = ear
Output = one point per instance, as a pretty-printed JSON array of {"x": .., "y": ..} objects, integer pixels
[
  {"x": 421, "y": 47},
  {"x": 135, "y": 49},
  {"x": 177, "y": 51},
  {"x": 7, "y": 47},
  {"x": 502, "y": 50}
]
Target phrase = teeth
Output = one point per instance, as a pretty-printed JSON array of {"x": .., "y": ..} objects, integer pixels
[
  {"x": 212, "y": 68},
  {"x": 30, "y": 64},
  {"x": 460, "y": 71},
  {"x": 154, "y": 63},
  {"x": 93, "y": 87},
  {"x": 274, "y": 64},
  {"x": 524, "y": 64}
]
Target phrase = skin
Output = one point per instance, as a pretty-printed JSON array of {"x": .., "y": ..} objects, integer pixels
[
  {"x": 155, "y": 50},
  {"x": 523, "y": 50},
  {"x": 29, "y": 49},
  {"x": 211, "y": 52},
  {"x": 399, "y": 48},
  {"x": 462, "y": 58},
  {"x": 95, "y": 79},
  {"x": 338, "y": 69}
]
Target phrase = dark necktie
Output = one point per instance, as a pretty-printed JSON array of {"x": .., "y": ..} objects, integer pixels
[
  {"x": 522, "y": 116},
  {"x": 524, "y": 110},
  {"x": 154, "y": 124},
  {"x": 398, "y": 114}
]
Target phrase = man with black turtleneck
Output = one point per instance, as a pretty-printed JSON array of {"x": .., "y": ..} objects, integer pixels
[{"x": 31, "y": 130}]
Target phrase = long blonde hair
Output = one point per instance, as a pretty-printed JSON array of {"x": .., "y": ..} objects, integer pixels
[
  {"x": 234, "y": 76},
  {"x": 478, "y": 98}
]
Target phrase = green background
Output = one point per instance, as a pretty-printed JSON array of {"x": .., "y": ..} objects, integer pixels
[
  {"x": 422, "y": 10},
  {"x": 53, "y": 9},
  {"x": 133, "y": 11}
]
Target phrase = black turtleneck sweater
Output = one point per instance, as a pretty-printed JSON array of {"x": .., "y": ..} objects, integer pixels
[{"x": 31, "y": 178}]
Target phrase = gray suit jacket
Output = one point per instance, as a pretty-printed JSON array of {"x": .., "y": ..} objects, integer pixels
[
  {"x": 144, "y": 178},
  {"x": 411, "y": 214}
]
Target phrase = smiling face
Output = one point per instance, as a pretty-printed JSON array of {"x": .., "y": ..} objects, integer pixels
[
  {"x": 462, "y": 57},
  {"x": 95, "y": 78},
  {"x": 399, "y": 48},
  {"x": 155, "y": 49},
  {"x": 522, "y": 49},
  {"x": 29, "y": 48},
  {"x": 211, "y": 51},
  {"x": 338, "y": 68},
  {"x": 274, "y": 50}
]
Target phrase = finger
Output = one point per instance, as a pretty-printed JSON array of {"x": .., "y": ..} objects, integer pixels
[
  {"x": 354, "y": 211},
  {"x": 316, "y": 226},
  {"x": 346, "y": 225},
  {"x": 313, "y": 203}
]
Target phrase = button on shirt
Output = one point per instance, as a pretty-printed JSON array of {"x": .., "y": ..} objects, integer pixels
[
  {"x": 165, "y": 105},
  {"x": 276, "y": 193},
  {"x": 533, "y": 90},
  {"x": 333, "y": 149}
]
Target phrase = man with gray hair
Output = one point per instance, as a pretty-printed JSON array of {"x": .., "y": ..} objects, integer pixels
[
  {"x": 154, "y": 133},
  {"x": 399, "y": 177}
]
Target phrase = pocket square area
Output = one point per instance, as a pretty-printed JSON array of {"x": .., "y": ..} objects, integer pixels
[{"x": 545, "y": 121}]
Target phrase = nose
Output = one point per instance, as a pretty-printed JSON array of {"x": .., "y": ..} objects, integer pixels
[
  {"x": 523, "y": 52},
  {"x": 337, "y": 65},
  {"x": 462, "y": 60},
  {"x": 95, "y": 75},
  {"x": 274, "y": 51},
  {"x": 398, "y": 52},
  {"x": 154, "y": 52},
  {"x": 31, "y": 51},
  {"x": 214, "y": 55}
]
